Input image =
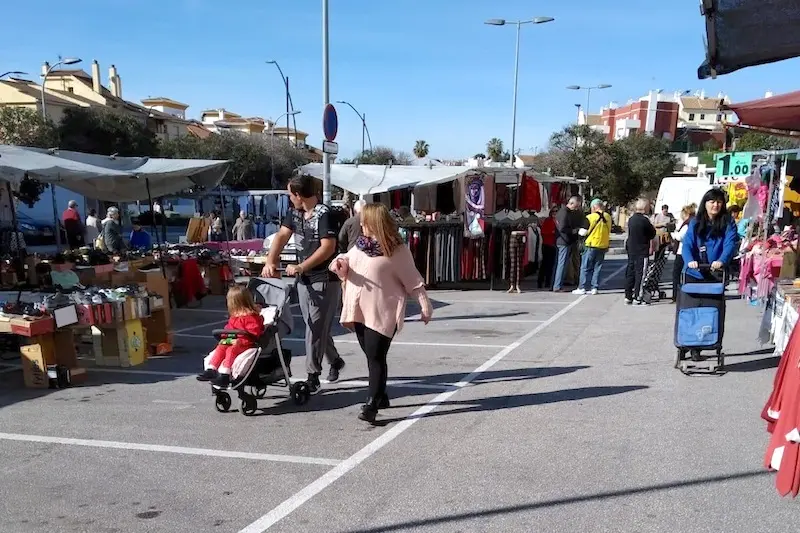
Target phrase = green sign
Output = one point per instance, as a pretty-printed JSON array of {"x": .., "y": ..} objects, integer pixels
[{"x": 733, "y": 165}]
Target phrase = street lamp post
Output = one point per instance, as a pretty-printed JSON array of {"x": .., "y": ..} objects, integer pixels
[
  {"x": 518, "y": 23},
  {"x": 272, "y": 144},
  {"x": 289, "y": 103},
  {"x": 67, "y": 61},
  {"x": 326, "y": 99},
  {"x": 364, "y": 129},
  {"x": 588, "y": 93}
]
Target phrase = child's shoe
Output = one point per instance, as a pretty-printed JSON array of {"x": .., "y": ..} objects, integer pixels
[
  {"x": 207, "y": 375},
  {"x": 222, "y": 381}
]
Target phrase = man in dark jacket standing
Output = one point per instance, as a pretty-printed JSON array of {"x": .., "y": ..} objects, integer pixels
[
  {"x": 640, "y": 233},
  {"x": 568, "y": 223},
  {"x": 351, "y": 229}
]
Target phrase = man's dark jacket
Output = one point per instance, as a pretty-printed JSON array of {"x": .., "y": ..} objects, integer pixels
[
  {"x": 568, "y": 223},
  {"x": 640, "y": 233},
  {"x": 350, "y": 232}
]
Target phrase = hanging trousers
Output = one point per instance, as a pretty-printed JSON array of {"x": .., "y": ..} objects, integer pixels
[
  {"x": 375, "y": 347},
  {"x": 516, "y": 249},
  {"x": 634, "y": 273}
]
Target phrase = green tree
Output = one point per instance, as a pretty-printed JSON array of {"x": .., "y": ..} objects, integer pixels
[
  {"x": 105, "y": 132},
  {"x": 647, "y": 158},
  {"x": 26, "y": 127},
  {"x": 753, "y": 141},
  {"x": 382, "y": 155},
  {"x": 421, "y": 148},
  {"x": 494, "y": 149},
  {"x": 251, "y": 156}
]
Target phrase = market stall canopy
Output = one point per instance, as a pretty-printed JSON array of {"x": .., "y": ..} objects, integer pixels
[
  {"x": 745, "y": 33},
  {"x": 781, "y": 112},
  {"x": 110, "y": 178},
  {"x": 374, "y": 179},
  {"x": 16, "y": 162}
]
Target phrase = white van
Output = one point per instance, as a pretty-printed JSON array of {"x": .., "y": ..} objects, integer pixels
[{"x": 677, "y": 192}]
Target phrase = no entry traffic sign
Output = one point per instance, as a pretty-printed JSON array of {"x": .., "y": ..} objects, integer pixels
[{"x": 330, "y": 123}]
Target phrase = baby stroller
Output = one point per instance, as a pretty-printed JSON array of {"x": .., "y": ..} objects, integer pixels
[
  {"x": 269, "y": 362},
  {"x": 700, "y": 322},
  {"x": 651, "y": 284}
]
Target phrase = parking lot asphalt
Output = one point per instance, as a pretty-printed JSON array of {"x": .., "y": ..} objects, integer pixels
[{"x": 529, "y": 412}]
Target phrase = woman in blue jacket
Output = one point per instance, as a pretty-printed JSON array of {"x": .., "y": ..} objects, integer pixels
[{"x": 711, "y": 238}]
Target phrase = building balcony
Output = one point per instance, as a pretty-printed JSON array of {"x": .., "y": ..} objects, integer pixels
[{"x": 628, "y": 124}]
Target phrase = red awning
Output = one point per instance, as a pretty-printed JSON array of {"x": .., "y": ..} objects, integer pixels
[{"x": 781, "y": 112}]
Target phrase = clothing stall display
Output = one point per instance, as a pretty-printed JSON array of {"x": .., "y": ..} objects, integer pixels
[
  {"x": 516, "y": 253},
  {"x": 475, "y": 210}
]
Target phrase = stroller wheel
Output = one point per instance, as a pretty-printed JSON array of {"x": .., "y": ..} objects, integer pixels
[
  {"x": 300, "y": 393},
  {"x": 223, "y": 402},
  {"x": 249, "y": 405},
  {"x": 260, "y": 392}
]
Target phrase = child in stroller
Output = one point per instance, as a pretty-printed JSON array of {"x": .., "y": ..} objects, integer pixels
[
  {"x": 246, "y": 326},
  {"x": 264, "y": 361}
]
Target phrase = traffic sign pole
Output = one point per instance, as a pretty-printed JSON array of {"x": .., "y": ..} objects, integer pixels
[{"x": 326, "y": 88}]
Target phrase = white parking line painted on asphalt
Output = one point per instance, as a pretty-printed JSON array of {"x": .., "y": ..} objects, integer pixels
[
  {"x": 205, "y": 452},
  {"x": 354, "y": 341},
  {"x": 215, "y": 323},
  {"x": 330, "y": 477}
]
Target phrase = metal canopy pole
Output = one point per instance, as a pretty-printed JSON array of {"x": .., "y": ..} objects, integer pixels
[
  {"x": 56, "y": 221},
  {"x": 153, "y": 226}
]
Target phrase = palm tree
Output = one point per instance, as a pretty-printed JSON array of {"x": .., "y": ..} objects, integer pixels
[
  {"x": 421, "y": 149},
  {"x": 494, "y": 149}
]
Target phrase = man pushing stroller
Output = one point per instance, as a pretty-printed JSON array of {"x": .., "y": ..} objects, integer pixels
[{"x": 318, "y": 290}]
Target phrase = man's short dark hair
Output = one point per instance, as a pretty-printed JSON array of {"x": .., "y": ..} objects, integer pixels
[
  {"x": 665, "y": 206},
  {"x": 303, "y": 185}
]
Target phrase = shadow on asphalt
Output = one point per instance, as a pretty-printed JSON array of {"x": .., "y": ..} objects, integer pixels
[
  {"x": 335, "y": 399},
  {"x": 497, "y": 403},
  {"x": 754, "y": 365},
  {"x": 559, "y": 502}
]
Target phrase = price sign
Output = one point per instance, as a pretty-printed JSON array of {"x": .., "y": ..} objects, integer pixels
[{"x": 733, "y": 165}]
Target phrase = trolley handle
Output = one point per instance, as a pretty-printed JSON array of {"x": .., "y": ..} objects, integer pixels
[{"x": 220, "y": 334}]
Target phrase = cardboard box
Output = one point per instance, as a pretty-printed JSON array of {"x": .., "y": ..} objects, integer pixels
[
  {"x": 123, "y": 345},
  {"x": 34, "y": 369},
  {"x": 66, "y": 354},
  {"x": 31, "y": 328},
  {"x": 155, "y": 283}
]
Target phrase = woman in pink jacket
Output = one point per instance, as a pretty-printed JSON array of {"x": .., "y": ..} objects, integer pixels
[{"x": 378, "y": 274}]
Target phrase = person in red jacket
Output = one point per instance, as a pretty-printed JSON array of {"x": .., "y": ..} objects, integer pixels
[
  {"x": 244, "y": 315},
  {"x": 549, "y": 252}
]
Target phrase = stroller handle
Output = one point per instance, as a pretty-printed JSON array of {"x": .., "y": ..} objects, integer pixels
[{"x": 219, "y": 333}]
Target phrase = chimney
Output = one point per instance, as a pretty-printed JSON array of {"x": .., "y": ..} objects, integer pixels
[
  {"x": 221, "y": 112},
  {"x": 113, "y": 81},
  {"x": 95, "y": 77},
  {"x": 768, "y": 94},
  {"x": 45, "y": 67}
]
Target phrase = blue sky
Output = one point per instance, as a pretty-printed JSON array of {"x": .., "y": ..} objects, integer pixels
[{"x": 419, "y": 69}]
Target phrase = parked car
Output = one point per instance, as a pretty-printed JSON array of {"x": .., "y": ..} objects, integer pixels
[{"x": 36, "y": 232}]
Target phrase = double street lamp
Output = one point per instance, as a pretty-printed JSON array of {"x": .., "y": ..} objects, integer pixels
[
  {"x": 518, "y": 24},
  {"x": 289, "y": 103},
  {"x": 364, "y": 129},
  {"x": 67, "y": 61},
  {"x": 588, "y": 92},
  {"x": 13, "y": 73}
]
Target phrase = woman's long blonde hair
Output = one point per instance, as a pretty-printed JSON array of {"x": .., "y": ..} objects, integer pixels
[
  {"x": 689, "y": 211},
  {"x": 240, "y": 302},
  {"x": 378, "y": 221}
]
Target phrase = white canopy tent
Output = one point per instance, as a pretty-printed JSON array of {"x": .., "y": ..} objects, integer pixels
[
  {"x": 109, "y": 178},
  {"x": 374, "y": 179}
]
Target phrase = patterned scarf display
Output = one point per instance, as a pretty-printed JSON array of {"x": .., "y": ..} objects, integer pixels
[{"x": 369, "y": 246}]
